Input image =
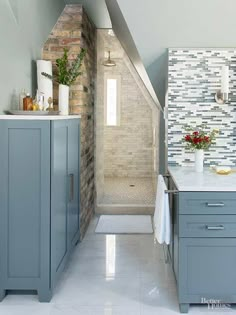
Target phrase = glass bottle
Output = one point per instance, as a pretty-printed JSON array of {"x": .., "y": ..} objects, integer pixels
[{"x": 21, "y": 97}]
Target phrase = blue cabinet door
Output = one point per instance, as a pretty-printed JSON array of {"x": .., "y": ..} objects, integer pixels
[
  {"x": 25, "y": 205},
  {"x": 73, "y": 181},
  {"x": 207, "y": 270},
  {"x": 65, "y": 135},
  {"x": 39, "y": 202}
]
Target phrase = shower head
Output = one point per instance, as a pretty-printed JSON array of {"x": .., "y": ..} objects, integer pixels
[{"x": 109, "y": 62}]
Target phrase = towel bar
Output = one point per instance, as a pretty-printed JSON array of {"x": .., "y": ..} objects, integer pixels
[{"x": 171, "y": 191}]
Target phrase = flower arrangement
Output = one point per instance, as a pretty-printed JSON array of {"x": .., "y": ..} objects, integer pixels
[
  {"x": 198, "y": 138},
  {"x": 67, "y": 75}
]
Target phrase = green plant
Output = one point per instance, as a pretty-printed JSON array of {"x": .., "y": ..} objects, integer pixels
[
  {"x": 197, "y": 138},
  {"x": 65, "y": 74}
]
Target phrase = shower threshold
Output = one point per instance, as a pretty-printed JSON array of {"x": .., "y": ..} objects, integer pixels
[{"x": 124, "y": 209}]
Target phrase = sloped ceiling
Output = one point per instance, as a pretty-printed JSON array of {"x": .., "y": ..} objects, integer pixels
[
  {"x": 121, "y": 30},
  {"x": 156, "y": 25},
  {"x": 97, "y": 10},
  {"x": 107, "y": 14}
]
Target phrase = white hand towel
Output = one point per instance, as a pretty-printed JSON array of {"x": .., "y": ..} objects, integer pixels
[{"x": 161, "y": 219}]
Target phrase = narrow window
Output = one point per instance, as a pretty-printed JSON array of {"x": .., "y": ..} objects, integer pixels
[{"x": 112, "y": 91}]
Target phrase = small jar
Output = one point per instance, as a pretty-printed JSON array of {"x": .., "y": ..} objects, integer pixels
[{"x": 27, "y": 102}]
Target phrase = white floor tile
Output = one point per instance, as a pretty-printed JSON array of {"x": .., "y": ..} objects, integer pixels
[
  {"x": 59, "y": 309},
  {"x": 154, "y": 296},
  {"x": 98, "y": 291},
  {"x": 38, "y": 309},
  {"x": 127, "y": 276},
  {"x": 91, "y": 310},
  {"x": 20, "y": 299},
  {"x": 99, "y": 266}
]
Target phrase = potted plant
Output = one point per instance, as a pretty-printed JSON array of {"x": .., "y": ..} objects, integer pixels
[
  {"x": 65, "y": 76},
  {"x": 198, "y": 139}
]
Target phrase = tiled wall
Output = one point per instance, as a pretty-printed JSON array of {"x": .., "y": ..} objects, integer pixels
[
  {"x": 74, "y": 30},
  {"x": 194, "y": 77}
]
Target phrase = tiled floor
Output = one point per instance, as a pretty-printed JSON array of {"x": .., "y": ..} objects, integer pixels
[
  {"x": 127, "y": 190},
  {"x": 110, "y": 275}
]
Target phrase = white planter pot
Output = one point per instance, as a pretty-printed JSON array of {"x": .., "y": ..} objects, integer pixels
[
  {"x": 63, "y": 103},
  {"x": 199, "y": 158}
]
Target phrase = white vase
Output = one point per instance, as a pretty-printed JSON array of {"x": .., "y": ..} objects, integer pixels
[
  {"x": 199, "y": 158},
  {"x": 63, "y": 104}
]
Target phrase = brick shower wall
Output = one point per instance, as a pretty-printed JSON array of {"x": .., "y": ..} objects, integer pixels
[
  {"x": 74, "y": 30},
  {"x": 125, "y": 150},
  {"x": 128, "y": 147}
]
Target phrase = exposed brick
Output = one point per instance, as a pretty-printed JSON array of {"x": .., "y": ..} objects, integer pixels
[
  {"x": 58, "y": 48},
  {"x": 71, "y": 8},
  {"x": 128, "y": 148},
  {"x": 69, "y": 41},
  {"x": 57, "y": 33},
  {"x": 76, "y": 94},
  {"x": 76, "y": 102},
  {"x": 76, "y": 34},
  {"x": 52, "y": 41},
  {"x": 67, "y": 32}
]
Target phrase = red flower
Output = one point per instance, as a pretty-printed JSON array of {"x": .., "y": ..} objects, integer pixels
[
  {"x": 195, "y": 133},
  {"x": 206, "y": 139},
  {"x": 195, "y": 140},
  {"x": 188, "y": 138}
]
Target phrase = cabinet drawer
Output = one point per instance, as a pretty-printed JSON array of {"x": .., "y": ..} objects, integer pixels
[
  {"x": 207, "y": 226},
  {"x": 207, "y": 203}
]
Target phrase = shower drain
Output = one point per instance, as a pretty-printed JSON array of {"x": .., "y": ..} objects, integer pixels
[{"x": 131, "y": 185}]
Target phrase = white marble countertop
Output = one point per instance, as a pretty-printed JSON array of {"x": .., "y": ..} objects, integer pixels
[
  {"x": 34, "y": 117},
  {"x": 186, "y": 179}
]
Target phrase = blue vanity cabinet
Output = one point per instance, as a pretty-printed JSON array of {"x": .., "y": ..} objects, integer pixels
[
  {"x": 207, "y": 269},
  {"x": 64, "y": 192},
  {"x": 39, "y": 199},
  {"x": 204, "y": 248}
]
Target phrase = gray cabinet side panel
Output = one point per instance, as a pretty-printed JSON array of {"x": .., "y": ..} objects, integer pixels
[
  {"x": 59, "y": 193},
  {"x": 73, "y": 177}
]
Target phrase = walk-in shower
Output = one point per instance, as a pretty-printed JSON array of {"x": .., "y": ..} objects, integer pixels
[{"x": 126, "y": 128}]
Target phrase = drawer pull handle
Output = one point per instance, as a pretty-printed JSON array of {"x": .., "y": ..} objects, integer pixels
[
  {"x": 220, "y": 204},
  {"x": 217, "y": 227}
]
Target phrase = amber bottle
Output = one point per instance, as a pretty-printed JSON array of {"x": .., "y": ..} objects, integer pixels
[{"x": 27, "y": 102}]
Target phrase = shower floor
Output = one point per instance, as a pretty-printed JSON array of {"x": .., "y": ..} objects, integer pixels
[{"x": 129, "y": 190}]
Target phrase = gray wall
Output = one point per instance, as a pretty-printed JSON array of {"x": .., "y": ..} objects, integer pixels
[
  {"x": 158, "y": 24},
  {"x": 24, "y": 26}
]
